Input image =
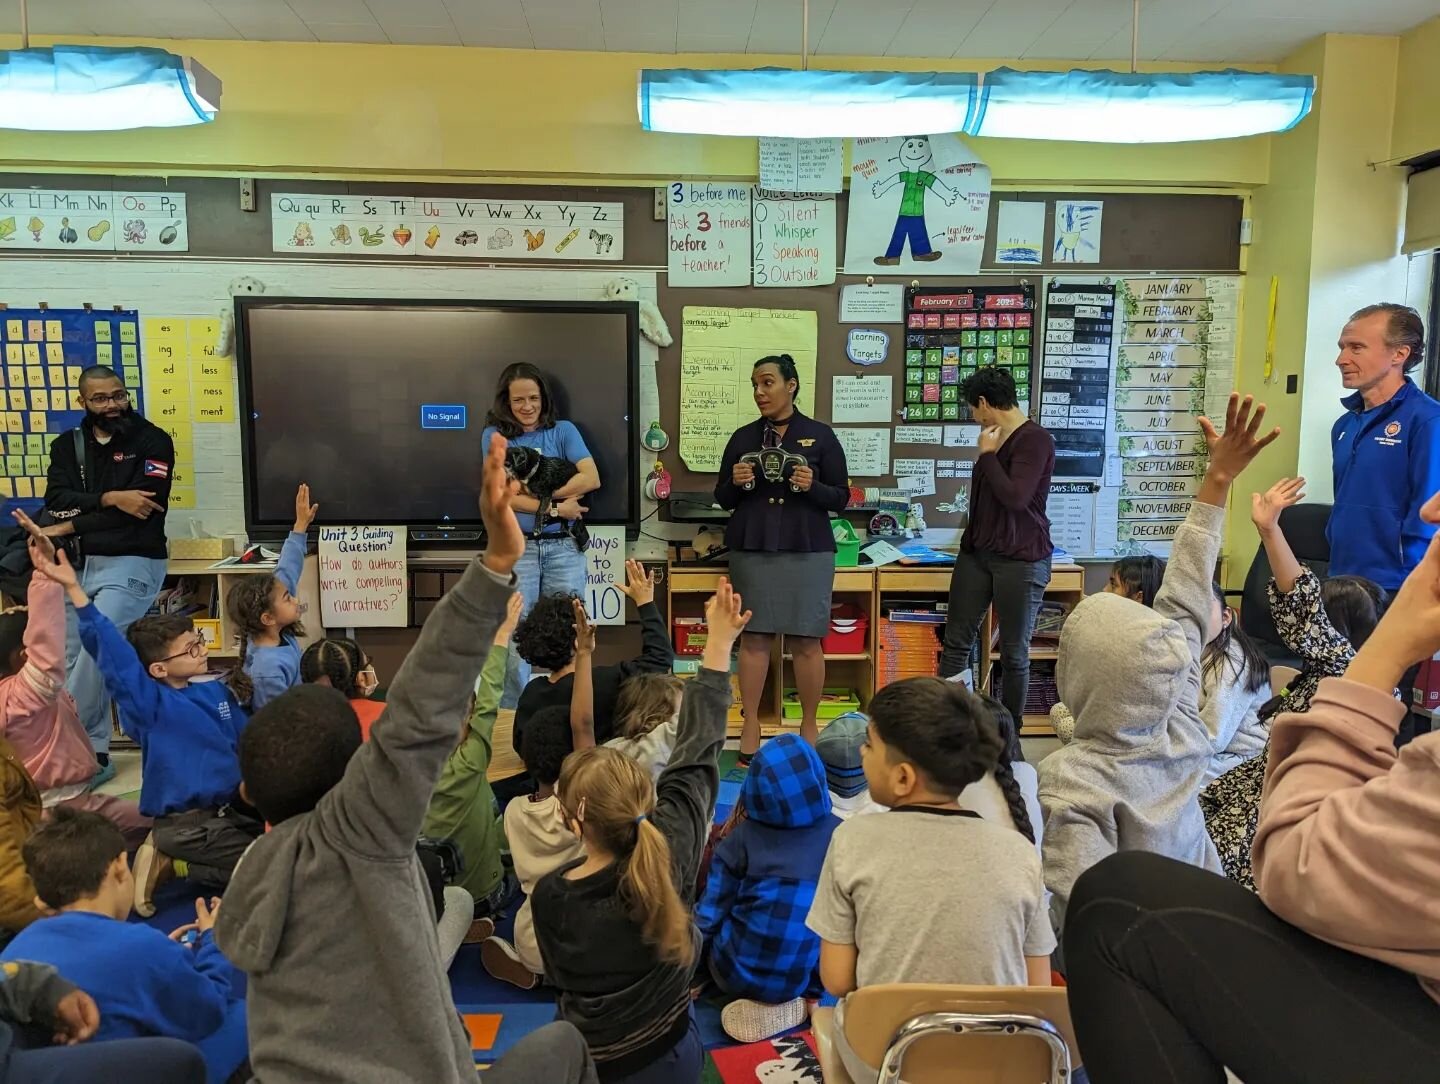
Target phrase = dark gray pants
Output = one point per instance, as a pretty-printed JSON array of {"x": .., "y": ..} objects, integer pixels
[
  {"x": 211, "y": 841},
  {"x": 1016, "y": 589},
  {"x": 556, "y": 1054}
]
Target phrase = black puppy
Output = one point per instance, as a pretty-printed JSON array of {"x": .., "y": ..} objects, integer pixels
[{"x": 542, "y": 475}]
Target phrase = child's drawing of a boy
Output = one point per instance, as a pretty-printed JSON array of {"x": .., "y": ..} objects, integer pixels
[{"x": 915, "y": 157}]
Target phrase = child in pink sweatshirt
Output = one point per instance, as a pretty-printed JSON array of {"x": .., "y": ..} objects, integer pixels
[
  {"x": 1333, "y": 972},
  {"x": 38, "y": 716}
]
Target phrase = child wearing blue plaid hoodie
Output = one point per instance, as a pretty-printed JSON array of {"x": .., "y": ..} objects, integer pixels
[{"x": 761, "y": 884}]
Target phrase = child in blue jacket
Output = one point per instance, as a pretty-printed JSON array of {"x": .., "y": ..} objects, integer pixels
[
  {"x": 266, "y": 616},
  {"x": 188, "y": 730},
  {"x": 761, "y": 884},
  {"x": 143, "y": 982}
]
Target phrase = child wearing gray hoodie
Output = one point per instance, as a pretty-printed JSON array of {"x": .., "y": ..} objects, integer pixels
[
  {"x": 1131, "y": 676},
  {"x": 328, "y": 913}
]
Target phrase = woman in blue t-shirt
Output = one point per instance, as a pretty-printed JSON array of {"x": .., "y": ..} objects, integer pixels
[{"x": 524, "y": 413}]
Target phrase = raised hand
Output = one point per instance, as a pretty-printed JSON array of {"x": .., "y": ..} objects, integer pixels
[
  {"x": 1265, "y": 508},
  {"x": 47, "y": 561},
  {"x": 725, "y": 620},
  {"x": 639, "y": 583},
  {"x": 584, "y": 631},
  {"x": 506, "y": 541},
  {"x": 513, "y": 609},
  {"x": 304, "y": 510},
  {"x": 38, "y": 541},
  {"x": 1235, "y": 449}
]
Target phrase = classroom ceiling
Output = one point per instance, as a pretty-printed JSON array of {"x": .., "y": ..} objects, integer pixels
[{"x": 1179, "y": 30}]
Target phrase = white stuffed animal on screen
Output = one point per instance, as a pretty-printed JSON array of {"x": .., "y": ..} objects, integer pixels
[
  {"x": 652, "y": 324},
  {"x": 225, "y": 341}
]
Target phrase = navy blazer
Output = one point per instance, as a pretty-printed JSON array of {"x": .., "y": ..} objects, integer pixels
[{"x": 772, "y": 517}]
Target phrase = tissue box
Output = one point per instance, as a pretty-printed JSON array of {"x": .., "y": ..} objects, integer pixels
[{"x": 201, "y": 549}]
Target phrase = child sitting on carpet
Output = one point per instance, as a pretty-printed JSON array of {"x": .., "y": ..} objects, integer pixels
[
  {"x": 38, "y": 715},
  {"x": 342, "y": 664},
  {"x": 546, "y": 640},
  {"x": 267, "y": 616},
  {"x": 760, "y": 887},
  {"x": 188, "y": 729},
  {"x": 614, "y": 927},
  {"x": 1010, "y": 793},
  {"x": 20, "y": 813},
  {"x": 328, "y": 914},
  {"x": 648, "y": 717},
  {"x": 839, "y": 747},
  {"x": 462, "y": 807},
  {"x": 143, "y": 982},
  {"x": 928, "y": 892}
]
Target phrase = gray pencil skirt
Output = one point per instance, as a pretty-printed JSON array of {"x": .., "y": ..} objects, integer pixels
[{"x": 788, "y": 593}]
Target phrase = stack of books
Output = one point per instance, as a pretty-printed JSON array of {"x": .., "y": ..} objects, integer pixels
[{"x": 909, "y": 645}]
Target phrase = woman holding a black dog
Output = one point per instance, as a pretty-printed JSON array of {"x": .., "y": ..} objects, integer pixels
[
  {"x": 524, "y": 413},
  {"x": 782, "y": 552}
]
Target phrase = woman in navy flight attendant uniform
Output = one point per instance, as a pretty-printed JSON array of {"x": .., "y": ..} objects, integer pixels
[{"x": 782, "y": 552}]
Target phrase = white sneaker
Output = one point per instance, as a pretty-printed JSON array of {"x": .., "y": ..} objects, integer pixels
[
  {"x": 964, "y": 677},
  {"x": 748, "y": 1021}
]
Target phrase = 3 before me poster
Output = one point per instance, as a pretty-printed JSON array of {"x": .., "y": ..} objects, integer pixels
[{"x": 918, "y": 205}]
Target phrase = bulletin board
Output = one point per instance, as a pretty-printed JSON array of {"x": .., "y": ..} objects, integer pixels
[
  {"x": 45, "y": 351},
  {"x": 1142, "y": 233}
]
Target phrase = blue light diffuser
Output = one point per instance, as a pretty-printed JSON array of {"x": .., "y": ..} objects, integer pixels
[
  {"x": 801, "y": 104},
  {"x": 91, "y": 88},
  {"x": 1117, "y": 107}
]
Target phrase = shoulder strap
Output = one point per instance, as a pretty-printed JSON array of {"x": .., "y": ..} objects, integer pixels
[{"x": 79, "y": 435}]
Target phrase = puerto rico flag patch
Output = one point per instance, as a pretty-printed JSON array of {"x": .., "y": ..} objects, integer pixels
[{"x": 157, "y": 468}]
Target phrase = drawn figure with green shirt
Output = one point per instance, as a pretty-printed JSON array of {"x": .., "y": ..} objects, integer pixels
[{"x": 915, "y": 158}]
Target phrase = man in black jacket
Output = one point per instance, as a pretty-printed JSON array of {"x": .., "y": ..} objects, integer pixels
[{"x": 112, "y": 497}]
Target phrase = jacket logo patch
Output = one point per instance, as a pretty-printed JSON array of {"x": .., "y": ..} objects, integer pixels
[
  {"x": 119, "y": 457},
  {"x": 155, "y": 468},
  {"x": 806, "y": 442},
  {"x": 1392, "y": 429}
]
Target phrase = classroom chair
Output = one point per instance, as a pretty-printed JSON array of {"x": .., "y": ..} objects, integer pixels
[{"x": 954, "y": 1034}]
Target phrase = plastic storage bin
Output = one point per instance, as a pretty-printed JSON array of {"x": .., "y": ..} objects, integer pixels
[
  {"x": 833, "y": 703},
  {"x": 849, "y": 631},
  {"x": 847, "y": 543}
]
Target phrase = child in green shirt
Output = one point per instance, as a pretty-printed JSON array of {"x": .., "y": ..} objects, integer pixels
[{"x": 462, "y": 809}]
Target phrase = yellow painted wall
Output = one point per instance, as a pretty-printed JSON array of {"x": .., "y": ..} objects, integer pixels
[
  {"x": 1417, "y": 120},
  {"x": 435, "y": 112}
]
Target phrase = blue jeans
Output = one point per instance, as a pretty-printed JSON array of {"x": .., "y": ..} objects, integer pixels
[
  {"x": 123, "y": 589},
  {"x": 912, "y": 227},
  {"x": 116, "y": 1061},
  {"x": 549, "y": 566}
]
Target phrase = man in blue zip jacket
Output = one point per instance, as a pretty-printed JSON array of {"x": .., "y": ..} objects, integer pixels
[
  {"x": 1386, "y": 454},
  {"x": 1386, "y": 447}
]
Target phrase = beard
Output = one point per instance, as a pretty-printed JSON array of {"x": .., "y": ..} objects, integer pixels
[{"x": 123, "y": 425}]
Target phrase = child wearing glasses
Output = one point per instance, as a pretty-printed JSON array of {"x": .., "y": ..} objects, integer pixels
[
  {"x": 188, "y": 729},
  {"x": 266, "y": 615}
]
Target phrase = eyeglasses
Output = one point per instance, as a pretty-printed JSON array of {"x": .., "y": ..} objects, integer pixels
[
  {"x": 195, "y": 650},
  {"x": 119, "y": 398}
]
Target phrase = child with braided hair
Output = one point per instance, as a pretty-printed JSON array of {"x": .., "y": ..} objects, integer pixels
[
  {"x": 1010, "y": 793},
  {"x": 343, "y": 665},
  {"x": 893, "y": 882}
]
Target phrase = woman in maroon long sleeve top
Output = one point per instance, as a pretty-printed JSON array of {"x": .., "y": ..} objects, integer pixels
[{"x": 1005, "y": 553}]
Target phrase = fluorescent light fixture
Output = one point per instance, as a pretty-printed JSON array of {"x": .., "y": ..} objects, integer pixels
[
  {"x": 1159, "y": 107},
  {"x": 74, "y": 88},
  {"x": 801, "y": 104}
]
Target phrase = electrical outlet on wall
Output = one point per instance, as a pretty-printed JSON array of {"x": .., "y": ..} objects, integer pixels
[{"x": 247, "y": 194}]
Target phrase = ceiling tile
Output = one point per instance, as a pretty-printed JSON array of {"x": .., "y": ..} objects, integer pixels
[
  {"x": 563, "y": 12},
  {"x": 638, "y": 41},
  {"x": 479, "y": 16},
  {"x": 707, "y": 17},
  {"x": 1380, "y": 17},
  {"x": 935, "y": 28},
  {"x": 1080, "y": 29},
  {"x": 264, "y": 20},
  {"x": 1255, "y": 39},
  {"x": 390, "y": 13},
  {"x": 159, "y": 19},
  {"x": 364, "y": 33},
  {"x": 499, "y": 38},
  {"x": 858, "y": 29},
  {"x": 353, "y": 12},
  {"x": 549, "y": 35},
  {"x": 1007, "y": 30},
  {"x": 51, "y": 19},
  {"x": 423, "y": 35},
  {"x": 651, "y": 15},
  {"x": 732, "y": 42}
]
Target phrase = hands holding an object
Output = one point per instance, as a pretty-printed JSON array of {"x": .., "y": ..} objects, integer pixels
[{"x": 742, "y": 474}]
